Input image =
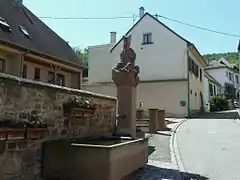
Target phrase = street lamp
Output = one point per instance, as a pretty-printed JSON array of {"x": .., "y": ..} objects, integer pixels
[{"x": 238, "y": 49}]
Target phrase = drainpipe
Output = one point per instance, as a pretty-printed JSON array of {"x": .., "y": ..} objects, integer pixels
[
  {"x": 233, "y": 86},
  {"x": 238, "y": 52},
  {"x": 188, "y": 84},
  {"x": 21, "y": 63}
]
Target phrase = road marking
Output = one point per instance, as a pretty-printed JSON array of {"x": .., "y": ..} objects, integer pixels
[{"x": 212, "y": 132}]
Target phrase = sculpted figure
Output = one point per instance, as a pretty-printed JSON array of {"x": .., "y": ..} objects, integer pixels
[{"x": 127, "y": 57}]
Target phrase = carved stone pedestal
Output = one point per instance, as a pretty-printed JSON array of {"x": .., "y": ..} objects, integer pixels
[{"x": 126, "y": 83}]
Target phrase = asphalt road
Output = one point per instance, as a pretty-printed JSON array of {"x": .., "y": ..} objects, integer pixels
[{"x": 211, "y": 147}]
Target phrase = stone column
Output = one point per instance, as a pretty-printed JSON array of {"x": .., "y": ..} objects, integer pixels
[
  {"x": 153, "y": 118},
  {"x": 126, "y": 83},
  {"x": 161, "y": 120}
]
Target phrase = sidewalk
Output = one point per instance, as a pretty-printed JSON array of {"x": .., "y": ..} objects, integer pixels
[{"x": 160, "y": 165}]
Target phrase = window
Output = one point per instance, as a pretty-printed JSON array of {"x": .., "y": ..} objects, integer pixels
[
  {"x": 226, "y": 73},
  {"x": 189, "y": 64},
  {"x": 214, "y": 90},
  {"x": 37, "y": 74},
  {"x": 60, "y": 80},
  {"x": 193, "y": 67},
  {"x": 211, "y": 89},
  {"x": 230, "y": 76},
  {"x": 195, "y": 70},
  {"x": 24, "y": 31},
  {"x": 147, "y": 38},
  {"x": 2, "y": 65},
  {"x": 200, "y": 75},
  {"x": 4, "y": 25},
  {"x": 51, "y": 77},
  {"x": 24, "y": 72},
  {"x": 237, "y": 80}
]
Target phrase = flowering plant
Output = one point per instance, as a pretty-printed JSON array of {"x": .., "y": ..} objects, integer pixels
[{"x": 140, "y": 106}]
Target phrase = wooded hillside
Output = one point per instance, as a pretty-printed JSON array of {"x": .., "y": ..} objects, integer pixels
[{"x": 230, "y": 56}]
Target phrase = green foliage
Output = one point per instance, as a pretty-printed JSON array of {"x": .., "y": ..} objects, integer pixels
[
  {"x": 83, "y": 55},
  {"x": 78, "y": 102},
  {"x": 140, "y": 106},
  {"x": 238, "y": 92},
  {"x": 219, "y": 103},
  {"x": 232, "y": 57}
]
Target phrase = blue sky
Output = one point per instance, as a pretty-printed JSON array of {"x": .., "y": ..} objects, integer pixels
[{"x": 220, "y": 15}]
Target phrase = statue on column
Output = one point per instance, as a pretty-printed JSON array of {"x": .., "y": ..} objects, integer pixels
[
  {"x": 125, "y": 76},
  {"x": 127, "y": 58}
]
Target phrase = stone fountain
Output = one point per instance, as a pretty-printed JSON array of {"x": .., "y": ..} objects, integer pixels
[
  {"x": 104, "y": 158},
  {"x": 125, "y": 76}
]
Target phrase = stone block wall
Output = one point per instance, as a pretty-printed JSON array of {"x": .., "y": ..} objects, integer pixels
[{"x": 19, "y": 98}]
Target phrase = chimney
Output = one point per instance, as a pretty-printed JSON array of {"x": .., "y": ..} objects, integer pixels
[
  {"x": 113, "y": 36},
  {"x": 18, "y": 2},
  {"x": 141, "y": 12}
]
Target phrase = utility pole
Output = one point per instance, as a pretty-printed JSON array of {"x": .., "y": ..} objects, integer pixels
[
  {"x": 238, "y": 49},
  {"x": 133, "y": 18}
]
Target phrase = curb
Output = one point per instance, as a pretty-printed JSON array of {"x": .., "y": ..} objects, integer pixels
[
  {"x": 238, "y": 120},
  {"x": 175, "y": 155}
]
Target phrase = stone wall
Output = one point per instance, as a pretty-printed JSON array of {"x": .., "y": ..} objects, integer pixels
[{"x": 22, "y": 159}]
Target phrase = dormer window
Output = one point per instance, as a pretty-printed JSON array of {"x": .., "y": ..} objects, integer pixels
[
  {"x": 4, "y": 25},
  {"x": 24, "y": 31}
]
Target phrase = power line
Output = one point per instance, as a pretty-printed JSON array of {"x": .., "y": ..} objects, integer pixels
[
  {"x": 86, "y": 18},
  {"x": 199, "y": 27},
  {"x": 134, "y": 17}
]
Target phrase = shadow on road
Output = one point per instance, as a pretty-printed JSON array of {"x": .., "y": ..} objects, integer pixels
[
  {"x": 153, "y": 172},
  {"x": 151, "y": 149},
  {"x": 219, "y": 115}
]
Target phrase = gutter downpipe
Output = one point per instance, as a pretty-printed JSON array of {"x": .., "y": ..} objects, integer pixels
[
  {"x": 21, "y": 64},
  {"x": 238, "y": 54},
  {"x": 188, "y": 85}
]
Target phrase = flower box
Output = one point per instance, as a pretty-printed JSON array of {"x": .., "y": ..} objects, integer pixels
[
  {"x": 79, "y": 107},
  {"x": 36, "y": 133},
  {"x": 82, "y": 113},
  {"x": 140, "y": 114},
  {"x": 15, "y": 133},
  {"x": 3, "y": 133}
]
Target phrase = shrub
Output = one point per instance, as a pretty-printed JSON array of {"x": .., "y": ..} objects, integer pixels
[{"x": 218, "y": 103}]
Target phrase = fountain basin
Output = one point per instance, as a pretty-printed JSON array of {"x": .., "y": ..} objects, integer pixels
[{"x": 96, "y": 159}]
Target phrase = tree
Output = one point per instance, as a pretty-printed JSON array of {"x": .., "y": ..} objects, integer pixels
[
  {"x": 83, "y": 54},
  {"x": 232, "y": 57}
]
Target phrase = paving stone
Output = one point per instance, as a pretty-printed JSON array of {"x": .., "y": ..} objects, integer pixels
[{"x": 160, "y": 147}]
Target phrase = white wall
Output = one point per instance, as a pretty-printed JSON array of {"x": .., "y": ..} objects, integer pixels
[
  {"x": 206, "y": 93},
  {"x": 163, "y": 95},
  {"x": 236, "y": 85},
  {"x": 100, "y": 63},
  {"x": 166, "y": 58},
  {"x": 220, "y": 75},
  {"x": 196, "y": 86}
]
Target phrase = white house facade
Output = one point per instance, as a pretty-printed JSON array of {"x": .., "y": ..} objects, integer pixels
[
  {"x": 226, "y": 74},
  {"x": 211, "y": 88},
  {"x": 165, "y": 74}
]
